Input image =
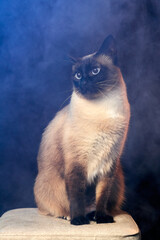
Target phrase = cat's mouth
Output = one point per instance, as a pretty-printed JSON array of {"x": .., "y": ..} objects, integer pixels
[
  {"x": 93, "y": 90},
  {"x": 88, "y": 91}
]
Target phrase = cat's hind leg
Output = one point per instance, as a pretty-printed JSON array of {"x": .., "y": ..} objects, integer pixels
[
  {"x": 50, "y": 195},
  {"x": 116, "y": 197}
]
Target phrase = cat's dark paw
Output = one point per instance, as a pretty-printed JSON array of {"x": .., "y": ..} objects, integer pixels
[
  {"x": 103, "y": 218},
  {"x": 80, "y": 220},
  {"x": 91, "y": 216}
]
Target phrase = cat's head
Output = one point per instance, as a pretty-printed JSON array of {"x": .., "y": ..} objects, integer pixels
[{"x": 96, "y": 74}]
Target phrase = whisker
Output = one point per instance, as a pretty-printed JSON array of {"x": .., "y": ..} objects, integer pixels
[
  {"x": 108, "y": 87},
  {"x": 67, "y": 91},
  {"x": 108, "y": 81},
  {"x": 76, "y": 91},
  {"x": 101, "y": 92},
  {"x": 65, "y": 101},
  {"x": 103, "y": 84},
  {"x": 112, "y": 87}
]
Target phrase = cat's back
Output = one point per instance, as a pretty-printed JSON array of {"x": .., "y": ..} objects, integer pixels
[
  {"x": 55, "y": 125},
  {"x": 52, "y": 139}
]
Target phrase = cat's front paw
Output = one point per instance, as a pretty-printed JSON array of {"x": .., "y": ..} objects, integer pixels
[
  {"x": 103, "y": 218},
  {"x": 80, "y": 220},
  {"x": 91, "y": 216}
]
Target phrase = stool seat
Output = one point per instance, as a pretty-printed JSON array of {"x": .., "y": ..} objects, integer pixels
[{"x": 28, "y": 224}]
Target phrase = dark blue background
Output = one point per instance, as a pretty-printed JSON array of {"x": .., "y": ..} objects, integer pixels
[{"x": 36, "y": 38}]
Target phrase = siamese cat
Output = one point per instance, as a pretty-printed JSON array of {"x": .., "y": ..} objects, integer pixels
[{"x": 80, "y": 174}]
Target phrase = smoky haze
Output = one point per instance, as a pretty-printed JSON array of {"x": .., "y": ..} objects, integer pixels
[{"x": 36, "y": 38}]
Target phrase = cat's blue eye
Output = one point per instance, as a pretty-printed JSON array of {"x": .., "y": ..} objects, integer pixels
[
  {"x": 78, "y": 75},
  {"x": 95, "y": 71}
]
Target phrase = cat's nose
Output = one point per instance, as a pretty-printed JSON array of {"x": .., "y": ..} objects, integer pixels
[
  {"x": 83, "y": 86},
  {"x": 83, "y": 82}
]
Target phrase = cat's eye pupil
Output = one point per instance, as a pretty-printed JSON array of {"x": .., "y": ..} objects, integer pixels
[
  {"x": 95, "y": 71},
  {"x": 78, "y": 75}
]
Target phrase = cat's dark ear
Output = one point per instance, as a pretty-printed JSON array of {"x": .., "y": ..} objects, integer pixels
[{"x": 108, "y": 48}]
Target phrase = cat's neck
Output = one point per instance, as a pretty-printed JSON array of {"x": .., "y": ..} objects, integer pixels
[{"x": 111, "y": 105}]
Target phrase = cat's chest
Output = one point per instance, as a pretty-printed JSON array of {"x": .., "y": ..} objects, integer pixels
[
  {"x": 96, "y": 125},
  {"x": 111, "y": 106},
  {"x": 98, "y": 160}
]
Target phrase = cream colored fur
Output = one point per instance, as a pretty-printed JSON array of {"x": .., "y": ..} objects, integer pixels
[{"x": 89, "y": 120}]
